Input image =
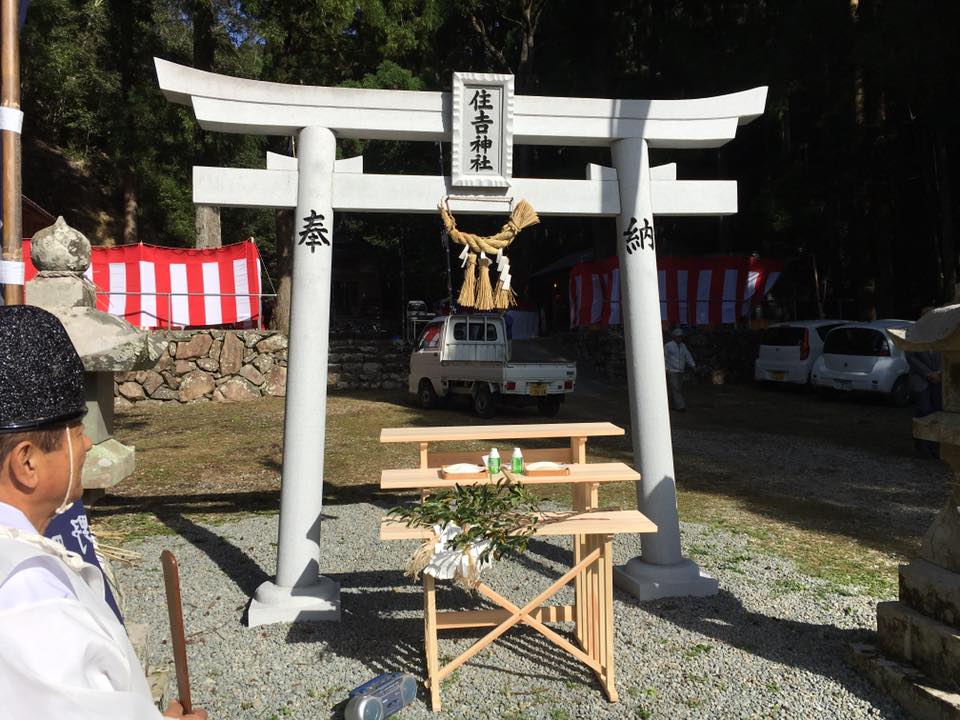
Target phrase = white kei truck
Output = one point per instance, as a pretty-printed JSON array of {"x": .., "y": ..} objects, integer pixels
[{"x": 470, "y": 355}]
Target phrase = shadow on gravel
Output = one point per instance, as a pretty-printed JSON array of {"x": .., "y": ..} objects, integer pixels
[
  {"x": 243, "y": 570},
  {"x": 818, "y": 649},
  {"x": 382, "y": 628}
]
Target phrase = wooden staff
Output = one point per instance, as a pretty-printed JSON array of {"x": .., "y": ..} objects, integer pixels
[{"x": 171, "y": 582}]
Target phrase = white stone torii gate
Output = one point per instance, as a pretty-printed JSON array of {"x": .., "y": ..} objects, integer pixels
[{"x": 317, "y": 185}]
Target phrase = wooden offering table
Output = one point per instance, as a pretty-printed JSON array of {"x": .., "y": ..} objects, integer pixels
[{"x": 592, "y": 529}]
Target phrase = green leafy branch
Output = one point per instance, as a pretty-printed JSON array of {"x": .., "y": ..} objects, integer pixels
[{"x": 503, "y": 514}]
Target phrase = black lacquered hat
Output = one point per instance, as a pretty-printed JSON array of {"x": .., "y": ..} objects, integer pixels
[{"x": 41, "y": 375}]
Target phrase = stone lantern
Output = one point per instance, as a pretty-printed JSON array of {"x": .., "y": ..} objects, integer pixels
[
  {"x": 918, "y": 659},
  {"x": 106, "y": 344}
]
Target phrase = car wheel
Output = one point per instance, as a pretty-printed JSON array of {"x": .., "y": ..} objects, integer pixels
[
  {"x": 484, "y": 404},
  {"x": 900, "y": 393},
  {"x": 548, "y": 406},
  {"x": 426, "y": 394}
]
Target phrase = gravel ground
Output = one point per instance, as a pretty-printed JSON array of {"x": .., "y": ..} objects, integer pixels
[{"x": 770, "y": 644}]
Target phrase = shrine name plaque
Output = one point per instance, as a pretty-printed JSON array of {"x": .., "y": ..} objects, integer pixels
[{"x": 482, "y": 130}]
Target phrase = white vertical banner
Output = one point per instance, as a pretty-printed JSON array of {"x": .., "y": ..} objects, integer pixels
[
  {"x": 576, "y": 297},
  {"x": 728, "y": 309},
  {"x": 749, "y": 290},
  {"x": 703, "y": 297},
  {"x": 179, "y": 300},
  {"x": 212, "y": 309},
  {"x": 148, "y": 299},
  {"x": 596, "y": 299},
  {"x": 662, "y": 285},
  {"x": 117, "y": 299},
  {"x": 615, "y": 297},
  {"x": 241, "y": 287},
  {"x": 682, "y": 297}
]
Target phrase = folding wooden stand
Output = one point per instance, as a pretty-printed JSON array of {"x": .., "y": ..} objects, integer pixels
[
  {"x": 592, "y": 611},
  {"x": 592, "y": 531}
]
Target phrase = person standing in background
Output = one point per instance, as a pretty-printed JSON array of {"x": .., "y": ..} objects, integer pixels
[{"x": 677, "y": 358}]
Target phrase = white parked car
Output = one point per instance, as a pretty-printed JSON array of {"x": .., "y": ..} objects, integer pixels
[
  {"x": 789, "y": 350},
  {"x": 862, "y": 357}
]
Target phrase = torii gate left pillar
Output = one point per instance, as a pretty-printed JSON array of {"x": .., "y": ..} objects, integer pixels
[{"x": 299, "y": 591}]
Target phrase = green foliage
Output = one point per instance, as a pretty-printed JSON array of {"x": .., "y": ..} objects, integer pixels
[
  {"x": 503, "y": 513},
  {"x": 851, "y": 165}
]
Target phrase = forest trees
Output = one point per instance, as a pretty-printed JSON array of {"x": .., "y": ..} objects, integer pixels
[{"x": 848, "y": 176}]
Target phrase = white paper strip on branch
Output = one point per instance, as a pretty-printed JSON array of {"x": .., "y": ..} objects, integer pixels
[
  {"x": 447, "y": 563},
  {"x": 11, "y": 272},
  {"x": 11, "y": 119}
]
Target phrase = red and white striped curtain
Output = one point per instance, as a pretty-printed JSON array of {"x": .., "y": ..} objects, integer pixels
[
  {"x": 153, "y": 286},
  {"x": 693, "y": 290}
]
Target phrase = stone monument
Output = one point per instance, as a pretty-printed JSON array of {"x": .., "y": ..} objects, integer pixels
[
  {"x": 918, "y": 636},
  {"x": 106, "y": 344}
]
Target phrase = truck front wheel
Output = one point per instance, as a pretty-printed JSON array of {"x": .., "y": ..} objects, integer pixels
[
  {"x": 426, "y": 394},
  {"x": 549, "y": 406},
  {"x": 484, "y": 404}
]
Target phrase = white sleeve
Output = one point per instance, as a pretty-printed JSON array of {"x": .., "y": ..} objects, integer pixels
[
  {"x": 56, "y": 661},
  {"x": 33, "y": 582}
]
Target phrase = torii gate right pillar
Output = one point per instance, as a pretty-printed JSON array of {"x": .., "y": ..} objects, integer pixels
[{"x": 661, "y": 570}]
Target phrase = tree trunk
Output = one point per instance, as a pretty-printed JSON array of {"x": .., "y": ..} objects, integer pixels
[
  {"x": 280, "y": 320},
  {"x": 130, "y": 206},
  {"x": 948, "y": 250},
  {"x": 208, "y": 226}
]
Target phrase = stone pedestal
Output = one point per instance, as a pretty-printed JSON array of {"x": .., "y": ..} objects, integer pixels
[
  {"x": 106, "y": 344},
  {"x": 917, "y": 655}
]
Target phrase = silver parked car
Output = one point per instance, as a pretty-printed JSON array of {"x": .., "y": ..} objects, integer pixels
[
  {"x": 788, "y": 350},
  {"x": 862, "y": 357}
]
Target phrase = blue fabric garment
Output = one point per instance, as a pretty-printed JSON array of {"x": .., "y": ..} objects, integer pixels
[{"x": 72, "y": 530}]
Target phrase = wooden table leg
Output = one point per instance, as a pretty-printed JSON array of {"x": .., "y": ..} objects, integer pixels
[
  {"x": 430, "y": 638},
  {"x": 603, "y": 602}
]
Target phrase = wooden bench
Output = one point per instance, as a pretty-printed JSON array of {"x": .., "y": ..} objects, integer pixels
[{"x": 592, "y": 531}]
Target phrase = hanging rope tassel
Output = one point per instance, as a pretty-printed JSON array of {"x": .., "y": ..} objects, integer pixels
[
  {"x": 468, "y": 290},
  {"x": 484, "y": 291},
  {"x": 503, "y": 296}
]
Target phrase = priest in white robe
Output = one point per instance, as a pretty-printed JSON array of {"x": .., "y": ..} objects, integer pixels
[{"x": 63, "y": 653}]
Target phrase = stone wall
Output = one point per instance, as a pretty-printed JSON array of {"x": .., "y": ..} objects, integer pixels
[
  {"x": 234, "y": 366},
  {"x": 725, "y": 353}
]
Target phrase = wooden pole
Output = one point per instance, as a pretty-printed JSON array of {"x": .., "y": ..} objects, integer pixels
[{"x": 10, "y": 92}]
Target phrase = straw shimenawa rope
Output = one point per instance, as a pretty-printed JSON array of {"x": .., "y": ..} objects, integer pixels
[
  {"x": 477, "y": 292},
  {"x": 523, "y": 216}
]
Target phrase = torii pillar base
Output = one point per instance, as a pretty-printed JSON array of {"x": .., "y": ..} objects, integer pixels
[
  {"x": 272, "y": 603},
  {"x": 646, "y": 581}
]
